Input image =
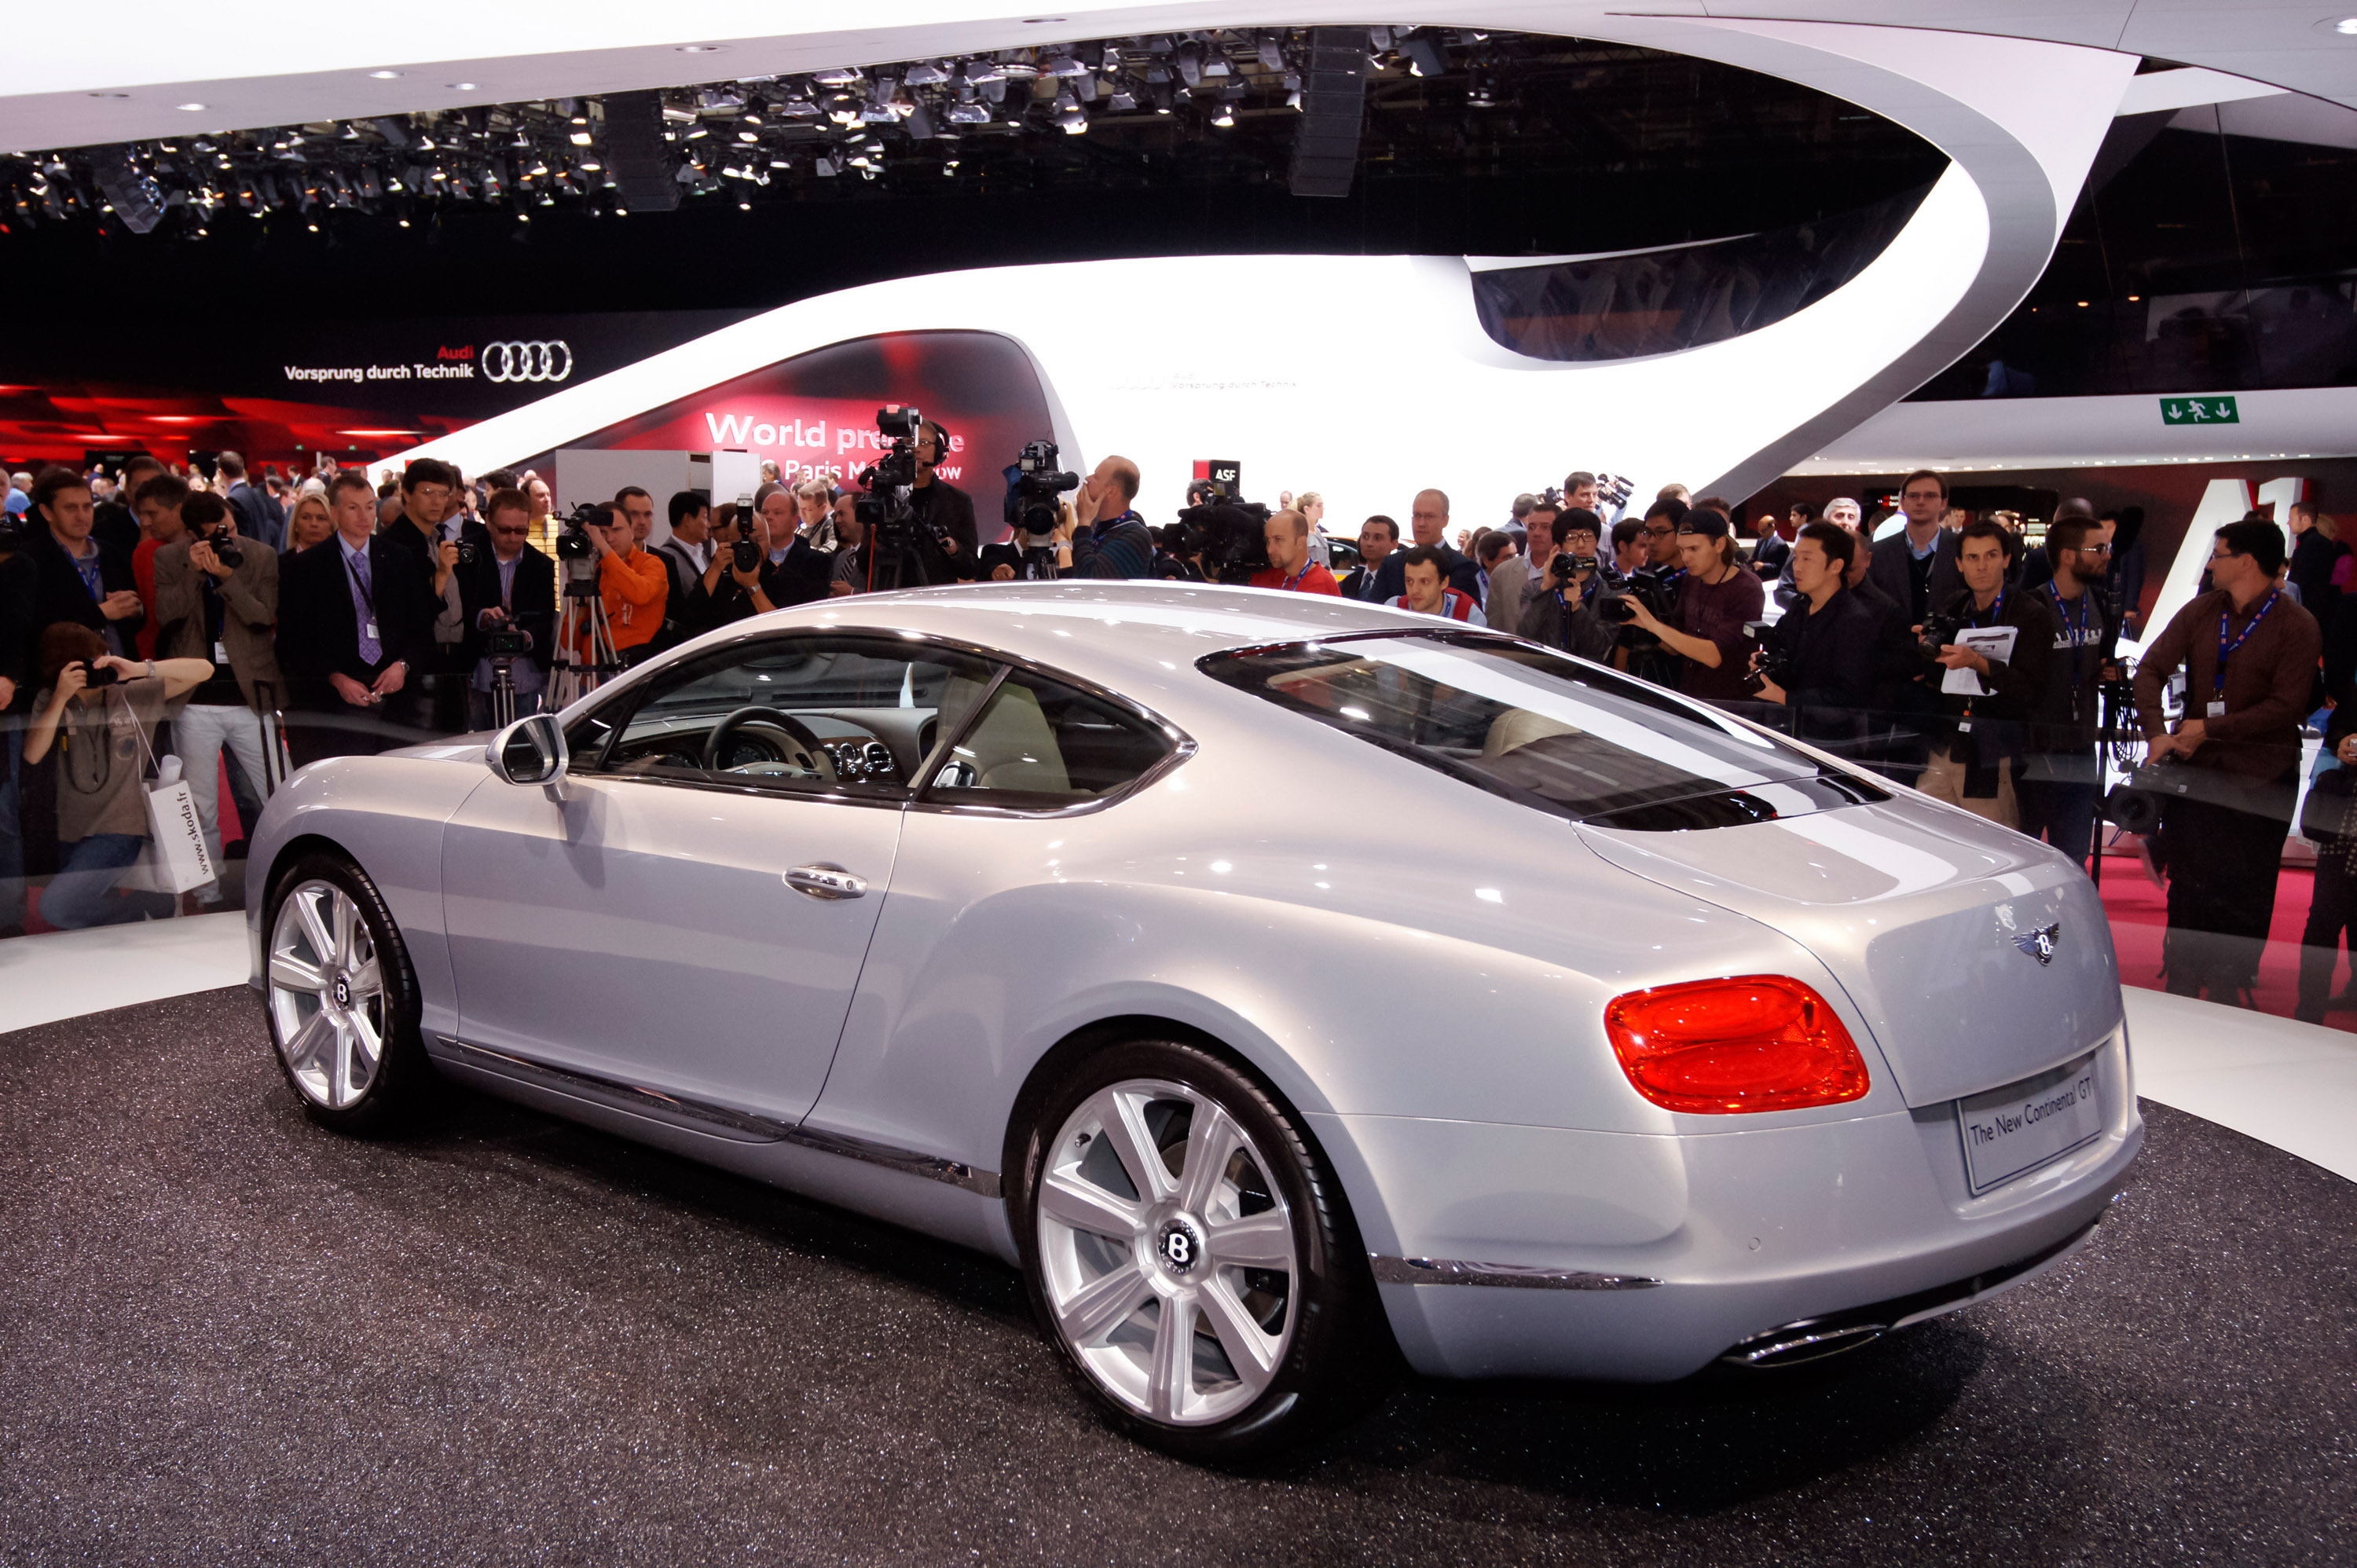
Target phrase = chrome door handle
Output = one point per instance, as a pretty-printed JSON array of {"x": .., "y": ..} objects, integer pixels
[{"x": 826, "y": 882}]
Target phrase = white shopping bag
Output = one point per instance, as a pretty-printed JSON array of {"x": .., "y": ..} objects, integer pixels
[{"x": 174, "y": 858}]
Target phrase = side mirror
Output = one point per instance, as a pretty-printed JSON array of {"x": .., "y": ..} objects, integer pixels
[{"x": 528, "y": 751}]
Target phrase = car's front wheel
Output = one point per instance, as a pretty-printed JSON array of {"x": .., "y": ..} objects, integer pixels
[
  {"x": 342, "y": 998},
  {"x": 1190, "y": 1256}
]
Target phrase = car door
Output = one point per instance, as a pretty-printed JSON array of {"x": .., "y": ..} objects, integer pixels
[{"x": 688, "y": 911}]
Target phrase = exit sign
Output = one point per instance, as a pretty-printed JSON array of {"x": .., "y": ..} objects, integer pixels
[{"x": 2199, "y": 411}]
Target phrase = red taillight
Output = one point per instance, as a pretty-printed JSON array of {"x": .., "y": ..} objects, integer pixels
[{"x": 1755, "y": 1042}]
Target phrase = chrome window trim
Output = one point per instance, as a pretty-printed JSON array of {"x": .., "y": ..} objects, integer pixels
[
  {"x": 1392, "y": 1270},
  {"x": 703, "y": 1117}
]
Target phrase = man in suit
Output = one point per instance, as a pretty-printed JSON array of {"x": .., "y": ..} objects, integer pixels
[
  {"x": 511, "y": 586},
  {"x": 259, "y": 515},
  {"x": 1770, "y": 556},
  {"x": 78, "y": 578},
  {"x": 1428, "y": 522},
  {"x": 1917, "y": 565},
  {"x": 1378, "y": 538},
  {"x": 355, "y": 625}
]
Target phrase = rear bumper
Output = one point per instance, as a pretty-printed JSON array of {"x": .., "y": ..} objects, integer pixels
[{"x": 1571, "y": 1254}]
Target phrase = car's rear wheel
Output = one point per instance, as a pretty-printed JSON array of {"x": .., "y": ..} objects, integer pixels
[
  {"x": 342, "y": 998},
  {"x": 1191, "y": 1257}
]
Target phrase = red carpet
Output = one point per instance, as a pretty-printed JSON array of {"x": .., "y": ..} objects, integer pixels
[{"x": 2140, "y": 912}]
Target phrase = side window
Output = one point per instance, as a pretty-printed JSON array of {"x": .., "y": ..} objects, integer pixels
[
  {"x": 820, "y": 714},
  {"x": 1039, "y": 745}
]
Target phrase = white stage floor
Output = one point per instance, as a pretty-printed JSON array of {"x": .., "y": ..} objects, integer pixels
[{"x": 2291, "y": 1085}]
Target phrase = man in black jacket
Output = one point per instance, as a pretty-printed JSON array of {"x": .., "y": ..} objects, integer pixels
[
  {"x": 1825, "y": 647},
  {"x": 940, "y": 506},
  {"x": 509, "y": 587},
  {"x": 78, "y": 578},
  {"x": 1987, "y": 697},
  {"x": 355, "y": 625},
  {"x": 259, "y": 515},
  {"x": 1427, "y": 522},
  {"x": 2062, "y": 777},
  {"x": 687, "y": 555}
]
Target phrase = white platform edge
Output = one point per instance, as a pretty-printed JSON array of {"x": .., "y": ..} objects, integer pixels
[{"x": 2290, "y": 1085}]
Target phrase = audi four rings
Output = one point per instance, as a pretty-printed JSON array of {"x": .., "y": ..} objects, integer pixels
[
  {"x": 527, "y": 361},
  {"x": 967, "y": 908}
]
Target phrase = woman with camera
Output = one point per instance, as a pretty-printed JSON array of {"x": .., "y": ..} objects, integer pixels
[
  {"x": 98, "y": 710},
  {"x": 1716, "y": 597}
]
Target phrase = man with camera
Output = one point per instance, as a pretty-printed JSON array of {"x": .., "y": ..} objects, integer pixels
[
  {"x": 1558, "y": 605},
  {"x": 1427, "y": 522},
  {"x": 2061, "y": 776},
  {"x": 687, "y": 555},
  {"x": 1425, "y": 569},
  {"x": 792, "y": 570},
  {"x": 216, "y": 599},
  {"x": 1820, "y": 659},
  {"x": 508, "y": 594},
  {"x": 2245, "y": 655},
  {"x": 76, "y": 577},
  {"x": 949, "y": 547},
  {"x": 1289, "y": 568},
  {"x": 1717, "y": 598},
  {"x": 430, "y": 527},
  {"x": 1986, "y": 693},
  {"x": 355, "y": 621},
  {"x": 631, "y": 584},
  {"x": 1105, "y": 537}
]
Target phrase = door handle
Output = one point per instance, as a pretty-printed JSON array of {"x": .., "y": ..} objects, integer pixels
[{"x": 829, "y": 882}]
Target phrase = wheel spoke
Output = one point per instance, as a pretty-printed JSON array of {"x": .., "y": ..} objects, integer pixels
[
  {"x": 1252, "y": 1352},
  {"x": 367, "y": 1045},
  {"x": 367, "y": 979},
  {"x": 1211, "y": 1138},
  {"x": 1170, "y": 1380},
  {"x": 1124, "y": 1127},
  {"x": 339, "y": 1080},
  {"x": 344, "y": 916},
  {"x": 304, "y": 1050},
  {"x": 1068, "y": 1199},
  {"x": 1263, "y": 1240},
  {"x": 1098, "y": 1306},
  {"x": 315, "y": 928},
  {"x": 291, "y": 973}
]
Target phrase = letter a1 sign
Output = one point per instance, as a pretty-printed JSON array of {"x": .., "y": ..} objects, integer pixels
[{"x": 2199, "y": 411}]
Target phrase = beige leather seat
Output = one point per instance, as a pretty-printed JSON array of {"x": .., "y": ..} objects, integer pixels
[
  {"x": 1518, "y": 727},
  {"x": 1014, "y": 747}
]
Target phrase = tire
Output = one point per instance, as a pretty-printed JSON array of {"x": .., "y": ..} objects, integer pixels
[
  {"x": 1258, "y": 1257},
  {"x": 341, "y": 999}
]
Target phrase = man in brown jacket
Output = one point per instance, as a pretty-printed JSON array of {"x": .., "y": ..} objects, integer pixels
[
  {"x": 2247, "y": 653},
  {"x": 226, "y": 614}
]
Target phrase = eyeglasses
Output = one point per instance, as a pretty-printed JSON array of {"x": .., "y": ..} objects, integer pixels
[
  {"x": 1661, "y": 532},
  {"x": 2092, "y": 549},
  {"x": 2218, "y": 556}
]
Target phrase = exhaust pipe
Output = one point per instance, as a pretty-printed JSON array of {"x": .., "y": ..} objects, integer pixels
[{"x": 1796, "y": 1344}]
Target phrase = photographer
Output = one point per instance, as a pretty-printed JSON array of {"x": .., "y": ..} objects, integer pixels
[
  {"x": 2062, "y": 777},
  {"x": 1716, "y": 597},
  {"x": 1820, "y": 659},
  {"x": 949, "y": 551},
  {"x": 2244, "y": 654},
  {"x": 354, "y": 618},
  {"x": 734, "y": 590},
  {"x": 1105, "y": 536},
  {"x": 1289, "y": 568},
  {"x": 217, "y": 600},
  {"x": 793, "y": 571},
  {"x": 77, "y": 578},
  {"x": 1558, "y": 605},
  {"x": 687, "y": 556},
  {"x": 510, "y": 587},
  {"x": 631, "y": 583},
  {"x": 1979, "y": 735},
  {"x": 101, "y": 732}
]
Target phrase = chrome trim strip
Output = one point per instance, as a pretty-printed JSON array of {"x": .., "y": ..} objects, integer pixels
[
  {"x": 699, "y": 1116},
  {"x": 1512, "y": 1276}
]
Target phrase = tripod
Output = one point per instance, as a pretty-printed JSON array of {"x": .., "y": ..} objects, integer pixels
[
  {"x": 503, "y": 692},
  {"x": 573, "y": 676}
]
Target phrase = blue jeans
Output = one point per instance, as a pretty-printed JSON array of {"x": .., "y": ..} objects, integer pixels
[{"x": 87, "y": 872}]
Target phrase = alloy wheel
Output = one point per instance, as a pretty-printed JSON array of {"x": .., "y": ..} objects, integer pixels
[
  {"x": 1168, "y": 1252},
  {"x": 327, "y": 994}
]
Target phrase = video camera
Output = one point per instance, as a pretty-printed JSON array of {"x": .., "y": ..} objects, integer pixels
[
  {"x": 1617, "y": 592},
  {"x": 888, "y": 524},
  {"x": 573, "y": 540},
  {"x": 1231, "y": 537},
  {"x": 2134, "y": 805},
  {"x": 1033, "y": 484},
  {"x": 506, "y": 642}
]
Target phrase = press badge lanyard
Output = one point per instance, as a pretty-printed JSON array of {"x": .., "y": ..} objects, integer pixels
[
  {"x": 1996, "y": 614},
  {"x": 2074, "y": 620},
  {"x": 1294, "y": 582},
  {"x": 2226, "y": 650}
]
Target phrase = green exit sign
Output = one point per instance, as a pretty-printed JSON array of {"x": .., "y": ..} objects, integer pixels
[{"x": 2199, "y": 411}]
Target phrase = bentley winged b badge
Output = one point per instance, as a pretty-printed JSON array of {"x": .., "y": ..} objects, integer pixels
[{"x": 2040, "y": 944}]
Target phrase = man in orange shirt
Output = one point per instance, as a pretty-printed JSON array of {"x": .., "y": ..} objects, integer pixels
[
  {"x": 632, "y": 584},
  {"x": 1289, "y": 565},
  {"x": 157, "y": 503}
]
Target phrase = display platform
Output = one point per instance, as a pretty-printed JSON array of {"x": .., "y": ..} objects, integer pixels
[{"x": 233, "y": 1334}]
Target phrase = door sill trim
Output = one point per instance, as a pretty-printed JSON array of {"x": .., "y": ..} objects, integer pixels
[{"x": 700, "y": 1116}]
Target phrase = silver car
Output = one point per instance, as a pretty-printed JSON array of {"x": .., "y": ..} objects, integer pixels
[{"x": 1621, "y": 1038}]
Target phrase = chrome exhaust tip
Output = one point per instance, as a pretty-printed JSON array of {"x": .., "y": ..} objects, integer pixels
[{"x": 1796, "y": 1344}]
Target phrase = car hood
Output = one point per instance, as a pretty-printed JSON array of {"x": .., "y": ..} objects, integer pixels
[{"x": 1930, "y": 918}]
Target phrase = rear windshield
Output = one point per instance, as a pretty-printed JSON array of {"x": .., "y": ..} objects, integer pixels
[{"x": 1559, "y": 736}]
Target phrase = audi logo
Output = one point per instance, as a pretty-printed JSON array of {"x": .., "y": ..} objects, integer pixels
[{"x": 527, "y": 361}]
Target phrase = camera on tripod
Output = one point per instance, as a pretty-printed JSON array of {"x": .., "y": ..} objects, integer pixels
[
  {"x": 1232, "y": 538},
  {"x": 1034, "y": 483},
  {"x": 506, "y": 642},
  {"x": 573, "y": 540}
]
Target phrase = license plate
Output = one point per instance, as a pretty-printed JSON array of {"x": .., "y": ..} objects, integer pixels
[{"x": 2012, "y": 1130}]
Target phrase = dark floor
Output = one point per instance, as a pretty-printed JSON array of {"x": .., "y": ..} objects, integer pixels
[{"x": 226, "y": 1335}]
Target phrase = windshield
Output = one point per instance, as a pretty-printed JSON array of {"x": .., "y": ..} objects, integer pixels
[{"x": 1562, "y": 736}]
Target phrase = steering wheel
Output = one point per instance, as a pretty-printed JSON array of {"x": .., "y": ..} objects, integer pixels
[{"x": 812, "y": 756}]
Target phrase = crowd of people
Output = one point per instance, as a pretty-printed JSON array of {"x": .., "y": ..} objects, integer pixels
[{"x": 250, "y": 627}]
